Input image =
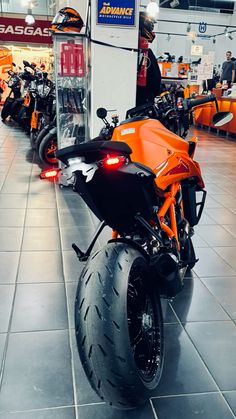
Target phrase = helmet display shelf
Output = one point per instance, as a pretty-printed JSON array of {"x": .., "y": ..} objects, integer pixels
[{"x": 72, "y": 78}]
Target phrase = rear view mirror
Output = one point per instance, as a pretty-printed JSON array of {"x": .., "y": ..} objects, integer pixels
[
  {"x": 222, "y": 118},
  {"x": 101, "y": 113}
]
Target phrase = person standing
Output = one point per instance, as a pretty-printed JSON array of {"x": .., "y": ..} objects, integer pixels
[
  {"x": 149, "y": 75},
  {"x": 228, "y": 69}
]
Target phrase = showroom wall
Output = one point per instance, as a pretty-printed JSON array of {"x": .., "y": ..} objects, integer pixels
[{"x": 180, "y": 45}]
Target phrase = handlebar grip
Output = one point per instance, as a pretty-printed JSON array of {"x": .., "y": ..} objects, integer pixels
[{"x": 201, "y": 101}]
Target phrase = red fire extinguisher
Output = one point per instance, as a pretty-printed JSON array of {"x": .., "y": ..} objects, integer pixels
[{"x": 143, "y": 62}]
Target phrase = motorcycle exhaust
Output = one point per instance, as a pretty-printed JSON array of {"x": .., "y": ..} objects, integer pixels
[{"x": 170, "y": 273}]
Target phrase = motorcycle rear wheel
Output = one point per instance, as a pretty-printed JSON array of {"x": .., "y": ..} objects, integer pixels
[
  {"x": 48, "y": 145},
  {"x": 44, "y": 131},
  {"x": 119, "y": 326}
]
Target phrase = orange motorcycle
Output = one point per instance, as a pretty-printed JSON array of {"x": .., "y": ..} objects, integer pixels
[{"x": 142, "y": 181}]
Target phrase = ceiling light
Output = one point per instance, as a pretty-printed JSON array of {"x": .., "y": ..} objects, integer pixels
[
  {"x": 230, "y": 37},
  {"x": 29, "y": 19},
  {"x": 174, "y": 3},
  {"x": 214, "y": 40},
  {"x": 188, "y": 28},
  {"x": 153, "y": 9},
  {"x": 226, "y": 32},
  {"x": 168, "y": 38}
]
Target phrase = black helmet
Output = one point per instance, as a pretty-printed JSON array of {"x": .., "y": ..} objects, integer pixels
[{"x": 146, "y": 26}]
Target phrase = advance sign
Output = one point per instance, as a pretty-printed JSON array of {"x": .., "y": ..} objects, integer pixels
[{"x": 116, "y": 12}]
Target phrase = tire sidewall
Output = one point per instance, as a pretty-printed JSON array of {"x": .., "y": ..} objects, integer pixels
[
  {"x": 126, "y": 257},
  {"x": 43, "y": 145}
]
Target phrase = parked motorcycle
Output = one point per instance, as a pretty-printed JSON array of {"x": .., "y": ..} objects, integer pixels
[
  {"x": 142, "y": 181},
  {"x": 14, "y": 83},
  {"x": 43, "y": 106}
]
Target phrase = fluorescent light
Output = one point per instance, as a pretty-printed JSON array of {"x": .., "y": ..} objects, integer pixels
[
  {"x": 153, "y": 9},
  {"x": 29, "y": 19}
]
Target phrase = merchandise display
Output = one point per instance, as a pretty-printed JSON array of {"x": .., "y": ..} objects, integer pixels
[{"x": 72, "y": 79}]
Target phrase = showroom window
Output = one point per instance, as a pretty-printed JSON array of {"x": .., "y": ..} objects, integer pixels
[{"x": 40, "y": 7}]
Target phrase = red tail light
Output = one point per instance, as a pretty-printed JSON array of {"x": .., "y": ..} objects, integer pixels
[
  {"x": 114, "y": 162},
  {"x": 49, "y": 174}
]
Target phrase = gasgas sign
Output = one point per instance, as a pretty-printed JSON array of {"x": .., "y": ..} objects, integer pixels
[
  {"x": 17, "y": 30},
  {"x": 116, "y": 12}
]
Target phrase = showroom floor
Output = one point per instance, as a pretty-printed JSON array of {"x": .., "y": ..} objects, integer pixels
[{"x": 41, "y": 376}]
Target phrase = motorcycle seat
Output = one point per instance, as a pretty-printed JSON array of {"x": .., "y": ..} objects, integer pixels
[{"x": 93, "y": 150}]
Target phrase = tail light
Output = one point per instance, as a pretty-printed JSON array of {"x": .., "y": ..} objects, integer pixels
[
  {"x": 50, "y": 174},
  {"x": 114, "y": 162}
]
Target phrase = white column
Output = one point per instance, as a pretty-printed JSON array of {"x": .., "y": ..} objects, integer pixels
[{"x": 114, "y": 71}]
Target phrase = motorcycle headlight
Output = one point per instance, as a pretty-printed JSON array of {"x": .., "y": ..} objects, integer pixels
[{"x": 43, "y": 91}]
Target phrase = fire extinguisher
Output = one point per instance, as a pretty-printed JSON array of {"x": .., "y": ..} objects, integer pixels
[{"x": 142, "y": 62}]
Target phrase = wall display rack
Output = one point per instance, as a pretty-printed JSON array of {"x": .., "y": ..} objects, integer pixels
[{"x": 72, "y": 88}]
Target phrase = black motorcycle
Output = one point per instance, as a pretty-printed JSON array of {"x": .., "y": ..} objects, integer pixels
[{"x": 14, "y": 83}]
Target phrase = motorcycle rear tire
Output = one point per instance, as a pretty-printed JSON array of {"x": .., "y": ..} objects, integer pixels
[
  {"x": 47, "y": 145},
  {"x": 119, "y": 326},
  {"x": 44, "y": 131}
]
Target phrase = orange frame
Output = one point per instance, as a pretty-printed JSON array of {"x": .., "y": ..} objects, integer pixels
[{"x": 169, "y": 205}]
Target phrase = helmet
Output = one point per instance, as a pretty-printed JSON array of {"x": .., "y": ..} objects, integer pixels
[
  {"x": 67, "y": 20},
  {"x": 146, "y": 26}
]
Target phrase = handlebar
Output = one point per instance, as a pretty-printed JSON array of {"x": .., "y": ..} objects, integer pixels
[{"x": 195, "y": 102}]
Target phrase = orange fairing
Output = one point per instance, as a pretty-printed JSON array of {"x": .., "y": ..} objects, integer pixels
[
  {"x": 27, "y": 99},
  {"x": 34, "y": 119},
  {"x": 177, "y": 167},
  {"x": 160, "y": 149}
]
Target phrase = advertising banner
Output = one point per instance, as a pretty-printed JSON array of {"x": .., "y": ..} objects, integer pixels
[
  {"x": 16, "y": 30},
  {"x": 116, "y": 12},
  {"x": 72, "y": 60}
]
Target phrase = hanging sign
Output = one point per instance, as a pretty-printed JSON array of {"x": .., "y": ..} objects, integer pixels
[
  {"x": 202, "y": 27},
  {"x": 17, "y": 30},
  {"x": 196, "y": 49},
  {"x": 116, "y": 12}
]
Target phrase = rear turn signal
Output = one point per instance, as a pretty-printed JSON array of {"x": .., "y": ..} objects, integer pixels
[
  {"x": 49, "y": 174},
  {"x": 114, "y": 162}
]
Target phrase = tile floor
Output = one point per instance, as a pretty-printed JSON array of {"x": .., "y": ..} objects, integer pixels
[{"x": 41, "y": 375}]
